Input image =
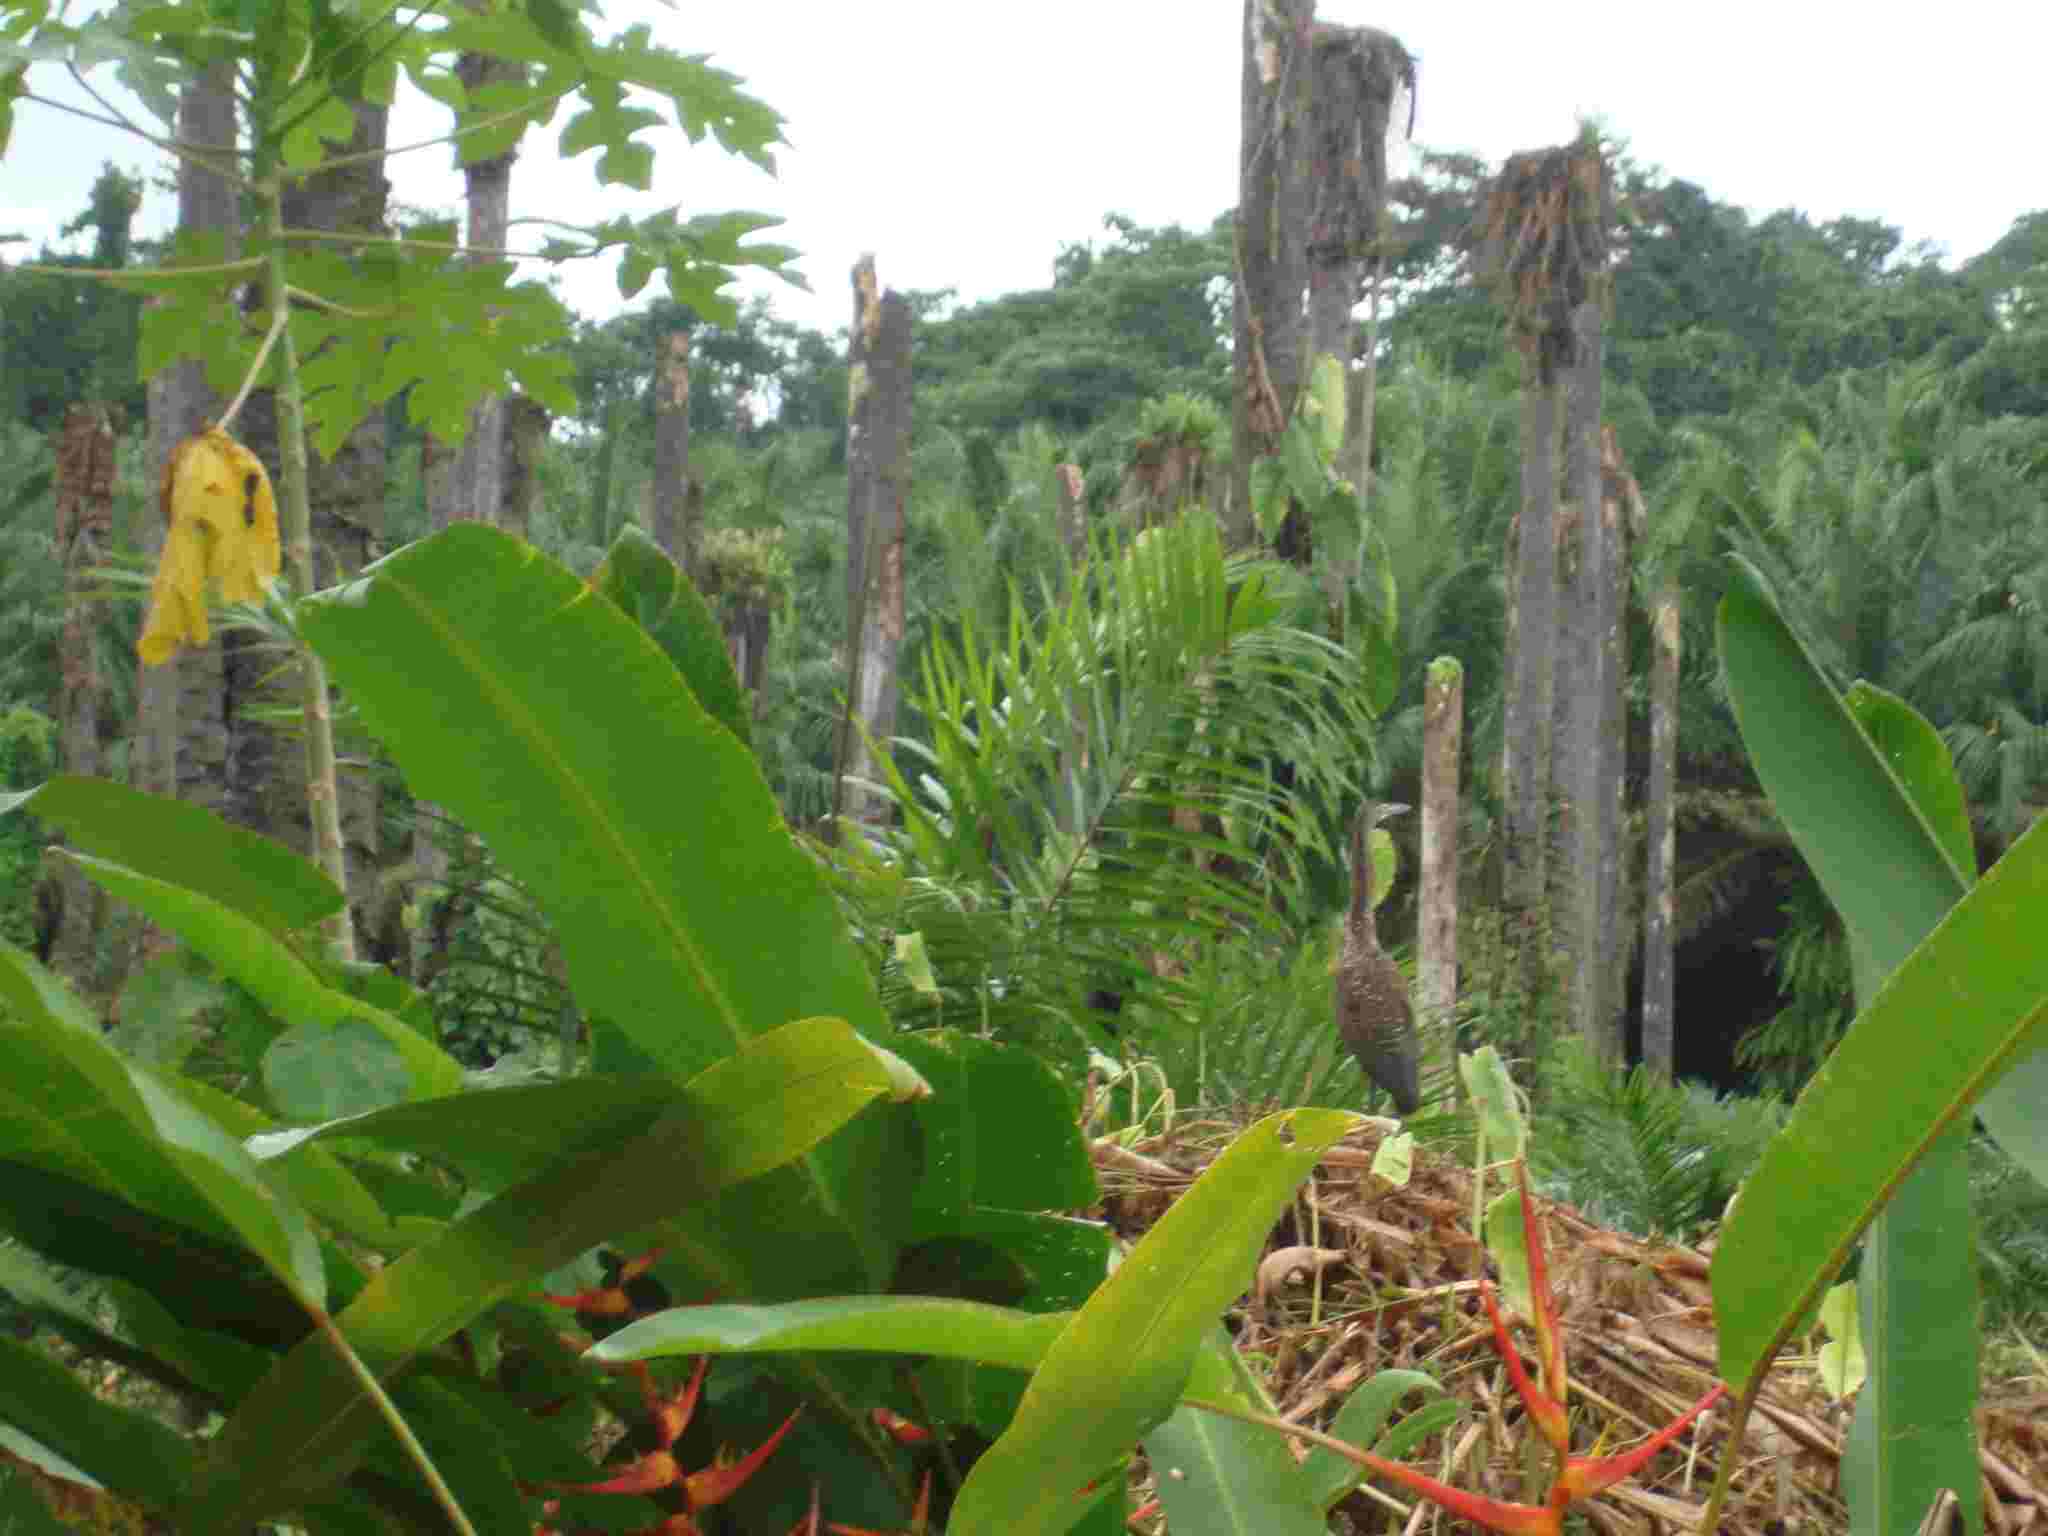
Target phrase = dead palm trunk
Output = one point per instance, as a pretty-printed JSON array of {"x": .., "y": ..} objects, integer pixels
[
  {"x": 676, "y": 530},
  {"x": 1659, "y": 927},
  {"x": 1272, "y": 247},
  {"x": 1545, "y": 244},
  {"x": 1443, "y": 729},
  {"x": 1525, "y": 792},
  {"x": 1621, "y": 518},
  {"x": 877, "y": 490},
  {"x": 1580, "y": 757},
  {"x": 1359, "y": 72},
  {"x": 85, "y": 530}
]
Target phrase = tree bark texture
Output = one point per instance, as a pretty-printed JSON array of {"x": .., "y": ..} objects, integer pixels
[
  {"x": 1272, "y": 243},
  {"x": 526, "y": 435},
  {"x": 181, "y": 736},
  {"x": 1580, "y": 758},
  {"x": 1358, "y": 73},
  {"x": 1659, "y": 907},
  {"x": 1621, "y": 514},
  {"x": 1443, "y": 730},
  {"x": 85, "y": 537},
  {"x": 465, "y": 483},
  {"x": 673, "y": 529},
  {"x": 479, "y": 484},
  {"x": 877, "y": 490},
  {"x": 1525, "y": 796}
]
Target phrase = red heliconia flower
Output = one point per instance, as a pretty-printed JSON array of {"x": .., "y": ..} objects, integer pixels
[
  {"x": 607, "y": 1300},
  {"x": 659, "y": 1469},
  {"x": 900, "y": 1429},
  {"x": 1578, "y": 1477}
]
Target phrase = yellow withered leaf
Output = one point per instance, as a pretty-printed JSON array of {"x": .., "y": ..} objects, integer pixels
[{"x": 220, "y": 532}]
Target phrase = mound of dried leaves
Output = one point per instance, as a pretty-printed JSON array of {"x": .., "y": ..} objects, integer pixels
[{"x": 1360, "y": 1277}]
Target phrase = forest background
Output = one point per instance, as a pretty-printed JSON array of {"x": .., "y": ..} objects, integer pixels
[{"x": 1857, "y": 419}]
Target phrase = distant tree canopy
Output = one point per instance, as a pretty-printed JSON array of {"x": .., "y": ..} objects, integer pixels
[{"x": 63, "y": 341}]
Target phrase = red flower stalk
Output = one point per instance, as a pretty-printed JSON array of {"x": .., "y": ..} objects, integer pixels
[{"x": 1578, "y": 1477}]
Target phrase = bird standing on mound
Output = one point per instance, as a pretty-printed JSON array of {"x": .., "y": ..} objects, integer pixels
[{"x": 1373, "y": 1013}]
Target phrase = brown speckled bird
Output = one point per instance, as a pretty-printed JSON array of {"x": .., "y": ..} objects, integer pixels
[{"x": 1373, "y": 1013}]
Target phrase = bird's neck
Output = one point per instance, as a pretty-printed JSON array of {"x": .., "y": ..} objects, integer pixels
[{"x": 1362, "y": 871}]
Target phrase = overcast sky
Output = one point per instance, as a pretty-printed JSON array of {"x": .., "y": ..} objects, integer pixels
[{"x": 965, "y": 144}]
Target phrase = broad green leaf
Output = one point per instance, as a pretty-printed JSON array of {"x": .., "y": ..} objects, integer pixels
[
  {"x": 1896, "y": 1092},
  {"x": 22, "y": 1511},
  {"x": 187, "y": 844},
  {"x": 1495, "y": 1102},
  {"x": 1916, "y": 754},
  {"x": 1912, "y": 1432},
  {"x": 1394, "y": 1159},
  {"x": 1508, "y": 1241},
  {"x": 916, "y": 965},
  {"x": 71, "y": 1107},
  {"x": 1000, "y": 1130},
  {"x": 277, "y": 976},
  {"x": 495, "y": 1137},
  {"x": 1151, "y": 1317},
  {"x": 1219, "y": 1476},
  {"x": 158, "y": 1007},
  {"x": 319, "y": 1181},
  {"x": 689, "y": 918},
  {"x": 1841, "y": 1359},
  {"x": 204, "y": 1276},
  {"x": 128, "y": 1452},
  {"x": 908, "y": 1325},
  {"x": 652, "y": 591},
  {"x": 321, "y": 1071},
  {"x": 304, "y": 1427},
  {"x": 1324, "y": 406},
  {"x": 465, "y": 1449},
  {"x": 1362, "y": 1421}
]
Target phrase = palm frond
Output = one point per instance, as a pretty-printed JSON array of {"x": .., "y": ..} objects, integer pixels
[{"x": 1149, "y": 765}]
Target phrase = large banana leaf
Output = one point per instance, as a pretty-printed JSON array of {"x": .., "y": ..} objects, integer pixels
[
  {"x": 1953, "y": 987},
  {"x": 550, "y": 723}
]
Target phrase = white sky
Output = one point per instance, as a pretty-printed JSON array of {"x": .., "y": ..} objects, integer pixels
[{"x": 964, "y": 144}]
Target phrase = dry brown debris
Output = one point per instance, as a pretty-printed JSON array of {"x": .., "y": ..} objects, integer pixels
[{"x": 1638, "y": 1321}]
